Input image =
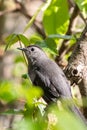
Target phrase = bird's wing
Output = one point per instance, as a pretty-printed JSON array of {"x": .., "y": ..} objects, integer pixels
[
  {"x": 32, "y": 74},
  {"x": 60, "y": 84},
  {"x": 59, "y": 81},
  {"x": 44, "y": 81}
]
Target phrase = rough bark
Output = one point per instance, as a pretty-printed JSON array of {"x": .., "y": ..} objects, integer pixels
[{"x": 76, "y": 70}]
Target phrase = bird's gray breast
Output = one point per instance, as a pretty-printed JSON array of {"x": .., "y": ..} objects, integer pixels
[{"x": 40, "y": 78}]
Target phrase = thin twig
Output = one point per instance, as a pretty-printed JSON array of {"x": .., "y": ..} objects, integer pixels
[{"x": 22, "y": 51}]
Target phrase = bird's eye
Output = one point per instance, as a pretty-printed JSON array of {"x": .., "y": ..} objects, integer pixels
[{"x": 32, "y": 49}]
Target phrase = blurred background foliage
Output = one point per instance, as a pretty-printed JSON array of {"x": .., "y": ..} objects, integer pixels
[{"x": 55, "y": 25}]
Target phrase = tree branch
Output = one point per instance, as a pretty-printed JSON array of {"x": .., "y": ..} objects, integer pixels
[
  {"x": 21, "y": 8},
  {"x": 76, "y": 70},
  {"x": 64, "y": 46}
]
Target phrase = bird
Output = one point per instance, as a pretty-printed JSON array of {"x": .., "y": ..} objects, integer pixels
[{"x": 45, "y": 73}]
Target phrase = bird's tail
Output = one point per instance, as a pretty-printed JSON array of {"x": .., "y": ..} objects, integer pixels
[{"x": 78, "y": 113}]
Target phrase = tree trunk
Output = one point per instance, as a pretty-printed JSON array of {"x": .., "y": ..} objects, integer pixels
[{"x": 76, "y": 70}]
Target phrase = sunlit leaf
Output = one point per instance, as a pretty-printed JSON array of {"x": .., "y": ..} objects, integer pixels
[
  {"x": 56, "y": 17},
  {"x": 49, "y": 45},
  {"x": 82, "y": 4},
  {"x": 28, "y": 124},
  {"x": 23, "y": 39},
  {"x": 7, "y": 91},
  {"x": 25, "y": 124},
  {"x": 64, "y": 119},
  {"x": 10, "y": 40},
  {"x": 18, "y": 59},
  {"x": 31, "y": 94},
  {"x": 34, "y": 38},
  {"x": 13, "y": 38}
]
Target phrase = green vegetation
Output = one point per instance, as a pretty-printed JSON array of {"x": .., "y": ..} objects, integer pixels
[{"x": 55, "y": 23}]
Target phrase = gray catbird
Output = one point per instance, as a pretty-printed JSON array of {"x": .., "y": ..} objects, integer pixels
[{"x": 45, "y": 73}]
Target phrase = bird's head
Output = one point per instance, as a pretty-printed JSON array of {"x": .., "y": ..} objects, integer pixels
[{"x": 33, "y": 53}]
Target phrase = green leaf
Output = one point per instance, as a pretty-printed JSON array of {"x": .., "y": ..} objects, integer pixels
[
  {"x": 29, "y": 124},
  {"x": 82, "y": 4},
  {"x": 32, "y": 93},
  {"x": 29, "y": 92},
  {"x": 19, "y": 59},
  {"x": 35, "y": 38},
  {"x": 10, "y": 40},
  {"x": 68, "y": 37},
  {"x": 25, "y": 124},
  {"x": 23, "y": 39},
  {"x": 25, "y": 76},
  {"x": 64, "y": 119},
  {"x": 7, "y": 91},
  {"x": 51, "y": 46},
  {"x": 56, "y": 17},
  {"x": 48, "y": 45},
  {"x": 13, "y": 38}
]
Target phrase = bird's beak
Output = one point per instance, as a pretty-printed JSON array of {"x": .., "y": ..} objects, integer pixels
[{"x": 22, "y": 49}]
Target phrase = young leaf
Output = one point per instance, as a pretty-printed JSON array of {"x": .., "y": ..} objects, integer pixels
[
  {"x": 35, "y": 38},
  {"x": 7, "y": 91},
  {"x": 23, "y": 39},
  {"x": 31, "y": 94},
  {"x": 49, "y": 45},
  {"x": 56, "y": 17},
  {"x": 13, "y": 38},
  {"x": 10, "y": 40}
]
